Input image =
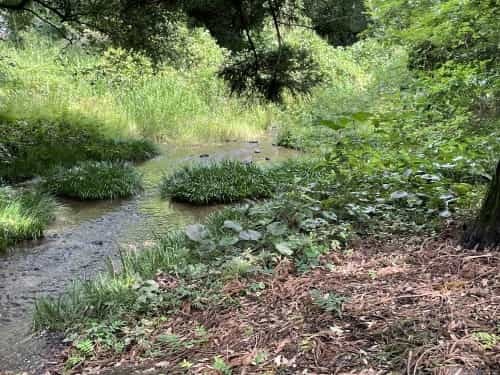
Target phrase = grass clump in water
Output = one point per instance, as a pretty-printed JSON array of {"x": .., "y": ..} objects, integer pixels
[
  {"x": 221, "y": 182},
  {"x": 23, "y": 215},
  {"x": 93, "y": 180}
]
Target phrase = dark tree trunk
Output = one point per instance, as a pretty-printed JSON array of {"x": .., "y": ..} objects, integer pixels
[{"x": 485, "y": 231}]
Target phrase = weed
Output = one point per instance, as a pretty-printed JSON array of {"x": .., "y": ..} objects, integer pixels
[
  {"x": 30, "y": 147},
  {"x": 189, "y": 104},
  {"x": 487, "y": 340},
  {"x": 23, "y": 215},
  {"x": 221, "y": 366}
]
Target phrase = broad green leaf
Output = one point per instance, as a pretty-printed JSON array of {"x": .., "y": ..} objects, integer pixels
[
  {"x": 229, "y": 224},
  {"x": 196, "y": 232},
  {"x": 361, "y": 116},
  {"x": 228, "y": 241},
  {"x": 284, "y": 248},
  {"x": 277, "y": 228},
  {"x": 250, "y": 235}
]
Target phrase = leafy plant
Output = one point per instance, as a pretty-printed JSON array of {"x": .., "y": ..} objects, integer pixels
[
  {"x": 30, "y": 147},
  {"x": 487, "y": 340},
  {"x": 221, "y": 366},
  {"x": 329, "y": 302}
]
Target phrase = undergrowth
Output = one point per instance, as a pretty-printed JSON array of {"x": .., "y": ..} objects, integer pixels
[
  {"x": 94, "y": 181},
  {"x": 30, "y": 147},
  {"x": 23, "y": 215}
]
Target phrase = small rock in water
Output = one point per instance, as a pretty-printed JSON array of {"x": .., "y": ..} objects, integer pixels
[
  {"x": 257, "y": 151},
  {"x": 204, "y": 156},
  {"x": 253, "y": 141},
  {"x": 268, "y": 158},
  {"x": 98, "y": 243},
  {"x": 273, "y": 144}
]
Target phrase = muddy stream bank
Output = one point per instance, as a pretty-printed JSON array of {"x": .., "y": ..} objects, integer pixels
[{"x": 85, "y": 235}]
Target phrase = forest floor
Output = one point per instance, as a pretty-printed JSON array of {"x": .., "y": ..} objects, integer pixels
[{"x": 413, "y": 305}]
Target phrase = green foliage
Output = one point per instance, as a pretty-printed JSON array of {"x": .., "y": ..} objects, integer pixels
[
  {"x": 23, "y": 215},
  {"x": 94, "y": 181},
  {"x": 223, "y": 182},
  {"x": 487, "y": 340},
  {"x": 329, "y": 302},
  {"x": 272, "y": 71},
  {"x": 118, "y": 94},
  {"x": 30, "y": 147},
  {"x": 119, "y": 68},
  {"x": 454, "y": 44},
  {"x": 339, "y": 22},
  {"x": 221, "y": 366}
]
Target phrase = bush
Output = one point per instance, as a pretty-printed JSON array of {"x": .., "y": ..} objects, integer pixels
[
  {"x": 23, "y": 216},
  {"x": 223, "y": 182},
  {"x": 94, "y": 181}
]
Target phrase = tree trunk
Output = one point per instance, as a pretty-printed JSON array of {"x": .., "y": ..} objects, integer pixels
[{"x": 485, "y": 231}]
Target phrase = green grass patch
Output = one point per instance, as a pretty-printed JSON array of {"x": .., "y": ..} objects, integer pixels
[
  {"x": 118, "y": 90},
  {"x": 92, "y": 180},
  {"x": 221, "y": 182},
  {"x": 30, "y": 147},
  {"x": 23, "y": 215}
]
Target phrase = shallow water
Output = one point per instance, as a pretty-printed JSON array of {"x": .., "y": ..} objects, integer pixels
[{"x": 86, "y": 234}]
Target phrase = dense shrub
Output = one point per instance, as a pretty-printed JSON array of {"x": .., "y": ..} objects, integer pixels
[
  {"x": 23, "y": 215},
  {"x": 223, "y": 182},
  {"x": 94, "y": 181}
]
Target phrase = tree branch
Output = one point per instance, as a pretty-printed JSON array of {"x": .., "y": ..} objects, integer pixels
[{"x": 50, "y": 23}]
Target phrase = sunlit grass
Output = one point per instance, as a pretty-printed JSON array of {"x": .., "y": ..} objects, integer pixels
[
  {"x": 186, "y": 106},
  {"x": 94, "y": 181},
  {"x": 223, "y": 182},
  {"x": 23, "y": 216}
]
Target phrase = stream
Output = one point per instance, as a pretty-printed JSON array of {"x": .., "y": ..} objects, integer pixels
[{"x": 86, "y": 234}]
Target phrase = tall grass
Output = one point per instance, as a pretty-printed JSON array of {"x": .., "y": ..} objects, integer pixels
[
  {"x": 41, "y": 79},
  {"x": 23, "y": 215}
]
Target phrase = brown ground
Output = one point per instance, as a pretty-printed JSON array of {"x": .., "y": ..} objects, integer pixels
[{"x": 413, "y": 308}]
